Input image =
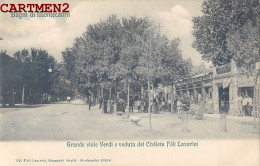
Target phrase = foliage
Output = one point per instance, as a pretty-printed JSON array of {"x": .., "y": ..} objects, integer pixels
[
  {"x": 113, "y": 51},
  {"x": 222, "y": 20},
  {"x": 34, "y": 72},
  {"x": 244, "y": 44}
]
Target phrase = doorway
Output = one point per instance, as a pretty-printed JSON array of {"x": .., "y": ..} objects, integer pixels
[{"x": 223, "y": 99}]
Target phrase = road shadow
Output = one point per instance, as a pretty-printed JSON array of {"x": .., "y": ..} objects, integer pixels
[{"x": 25, "y": 106}]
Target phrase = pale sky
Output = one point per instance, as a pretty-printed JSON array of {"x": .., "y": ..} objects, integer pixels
[{"x": 55, "y": 34}]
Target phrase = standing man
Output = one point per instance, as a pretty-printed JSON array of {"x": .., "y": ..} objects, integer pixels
[
  {"x": 138, "y": 104},
  {"x": 239, "y": 111},
  {"x": 122, "y": 105},
  {"x": 142, "y": 105},
  {"x": 247, "y": 103},
  {"x": 169, "y": 104},
  {"x": 105, "y": 106},
  {"x": 131, "y": 109},
  {"x": 89, "y": 103}
]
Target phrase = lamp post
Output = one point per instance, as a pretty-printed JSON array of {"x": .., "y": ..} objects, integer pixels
[
  {"x": 50, "y": 71},
  {"x": 256, "y": 94},
  {"x": 149, "y": 92}
]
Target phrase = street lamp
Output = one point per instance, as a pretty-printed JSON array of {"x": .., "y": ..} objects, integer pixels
[{"x": 50, "y": 69}]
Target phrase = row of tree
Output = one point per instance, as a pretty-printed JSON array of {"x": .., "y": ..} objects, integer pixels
[
  {"x": 38, "y": 78},
  {"x": 114, "y": 52}
]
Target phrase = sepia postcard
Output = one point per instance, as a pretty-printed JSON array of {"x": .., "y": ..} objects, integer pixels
[{"x": 129, "y": 82}]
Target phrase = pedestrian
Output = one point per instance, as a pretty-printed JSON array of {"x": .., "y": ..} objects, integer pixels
[
  {"x": 142, "y": 105},
  {"x": 100, "y": 102},
  {"x": 247, "y": 103},
  {"x": 239, "y": 111},
  {"x": 105, "y": 106},
  {"x": 169, "y": 104},
  {"x": 89, "y": 104},
  {"x": 138, "y": 104},
  {"x": 157, "y": 106},
  {"x": 121, "y": 105},
  {"x": 146, "y": 105},
  {"x": 131, "y": 109},
  {"x": 248, "y": 111},
  {"x": 163, "y": 105},
  {"x": 179, "y": 107}
]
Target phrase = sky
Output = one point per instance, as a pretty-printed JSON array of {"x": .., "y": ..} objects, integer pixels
[{"x": 55, "y": 34}]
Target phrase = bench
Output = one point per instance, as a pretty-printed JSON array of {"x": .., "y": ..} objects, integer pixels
[
  {"x": 135, "y": 120},
  {"x": 119, "y": 113}
]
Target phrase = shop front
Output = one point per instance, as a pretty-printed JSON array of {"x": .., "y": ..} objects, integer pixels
[{"x": 226, "y": 90}]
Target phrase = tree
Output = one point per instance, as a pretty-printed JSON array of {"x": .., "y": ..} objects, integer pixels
[
  {"x": 35, "y": 76},
  {"x": 220, "y": 19},
  {"x": 114, "y": 51},
  {"x": 244, "y": 44},
  {"x": 199, "y": 69},
  {"x": 104, "y": 52},
  {"x": 160, "y": 61},
  {"x": 61, "y": 87}
]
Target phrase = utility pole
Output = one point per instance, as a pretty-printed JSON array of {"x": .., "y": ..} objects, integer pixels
[
  {"x": 148, "y": 74},
  {"x": 149, "y": 91},
  {"x": 23, "y": 95},
  {"x": 256, "y": 96},
  {"x": 128, "y": 96}
]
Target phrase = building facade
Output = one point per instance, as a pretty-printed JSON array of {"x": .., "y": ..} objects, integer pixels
[
  {"x": 10, "y": 81},
  {"x": 223, "y": 89}
]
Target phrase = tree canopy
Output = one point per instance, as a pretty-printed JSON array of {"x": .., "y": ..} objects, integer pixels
[
  {"x": 221, "y": 29},
  {"x": 115, "y": 50},
  {"x": 35, "y": 76}
]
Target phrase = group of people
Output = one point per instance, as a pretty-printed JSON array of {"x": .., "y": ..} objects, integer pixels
[
  {"x": 244, "y": 106},
  {"x": 157, "y": 104},
  {"x": 118, "y": 105},
  {"x": 140, "y": 104}
]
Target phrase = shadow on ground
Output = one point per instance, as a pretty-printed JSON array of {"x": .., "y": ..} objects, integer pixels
[{"x": 25, "y": 106}]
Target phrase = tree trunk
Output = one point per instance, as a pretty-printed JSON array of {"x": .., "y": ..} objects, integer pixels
[
  {"x": 128, "y": 98},
  {"x": 4, "y": 97},
  {"x": 102, "y": 92},
  {"x": 149, "y": 104},
  {"x": 23, "y": 95},
  {"x": 13, "y": 99},
  {"x": 110, "y": 96},
  {"x": 172, "y": 96},
  {"x": 142, "y": 92}
]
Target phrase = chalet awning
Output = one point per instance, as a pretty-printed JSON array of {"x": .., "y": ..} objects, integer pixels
[{"x": 225, "y": 82}]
